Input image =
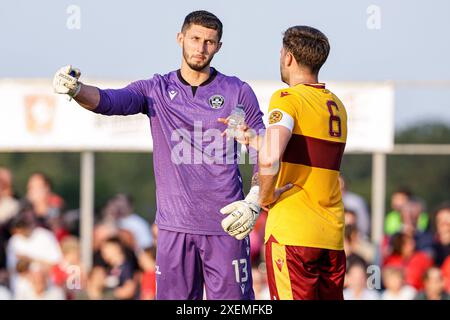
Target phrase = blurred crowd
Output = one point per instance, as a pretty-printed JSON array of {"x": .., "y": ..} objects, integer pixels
[{"x": 40, "y": 249}]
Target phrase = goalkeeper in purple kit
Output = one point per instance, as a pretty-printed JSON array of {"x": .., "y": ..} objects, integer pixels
[{"x": 197, "y": 184}]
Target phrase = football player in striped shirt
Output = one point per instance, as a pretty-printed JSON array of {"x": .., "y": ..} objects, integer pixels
[{"x": 303, "y": 148}]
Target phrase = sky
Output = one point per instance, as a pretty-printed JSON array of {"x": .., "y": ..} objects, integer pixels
[{"x": 403, "y": 41}]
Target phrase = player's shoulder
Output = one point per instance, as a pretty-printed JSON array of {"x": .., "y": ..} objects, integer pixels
[
  {"x": 230, "y": 80},
  {"x": 149, "y": 82},
  {"x": 336, "y": 99},
  {"x": 166, "y": 78},
  {"x": 285, "y": 94},
  {"x": 284, "y": 100},
  {"x": 159, "y": 78},
  {"x": 334, "y": 96}
]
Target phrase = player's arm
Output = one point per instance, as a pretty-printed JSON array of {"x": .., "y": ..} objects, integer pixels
[
  {"x": 283, "y": 109},
  {"x": 270, "y": 155},
  {"x": 88, "y": 97},
  {"x": 124, "y": 101},
  {"x": 242, "y": 215},
  {"x": 254, "y": 125}
]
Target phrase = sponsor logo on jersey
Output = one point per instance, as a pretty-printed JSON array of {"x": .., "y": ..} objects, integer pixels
[
  {"x": 275, "y": 116},
  {"x": 172, "y": 94},
  {"x": 216, "y": 101},
  {"x": 279, "y": 263},
  {"x": 157, "y": 271},
  {"x": 284, "y": 94}
]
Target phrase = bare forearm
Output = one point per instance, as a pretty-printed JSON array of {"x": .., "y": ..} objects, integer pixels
[
  {"x": 255, "y": 141},
  {"x": 255, "y": 180},
  {"x": 267, "y": 185},
  {"x": 88, "y": 97}
]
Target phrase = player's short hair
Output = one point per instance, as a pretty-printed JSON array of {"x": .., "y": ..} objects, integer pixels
[
  {"x": 309, "y": 46},
  {"x": 205, "y": 19}
]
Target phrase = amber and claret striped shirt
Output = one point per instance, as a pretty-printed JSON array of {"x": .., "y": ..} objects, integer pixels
[{"x": 311, "y": 214}]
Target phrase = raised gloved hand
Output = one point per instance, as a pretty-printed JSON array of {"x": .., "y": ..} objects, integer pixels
[
  {"x": 242, "y": 215},
  {"x": 65, "y": 81}
]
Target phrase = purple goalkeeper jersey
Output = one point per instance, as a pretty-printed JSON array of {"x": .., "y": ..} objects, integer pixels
[{"x": 195, "y": 174}]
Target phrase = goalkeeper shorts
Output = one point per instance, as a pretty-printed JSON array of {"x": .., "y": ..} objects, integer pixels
[{"x": 188, "y": 263}]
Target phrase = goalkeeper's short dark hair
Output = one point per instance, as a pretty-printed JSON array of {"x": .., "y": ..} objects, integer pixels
[
  {"x": 309, "y": 46},
  {"x": 205, "y": 19}
]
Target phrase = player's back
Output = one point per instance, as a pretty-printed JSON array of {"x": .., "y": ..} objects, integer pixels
[{"x": 311, "y": 213}]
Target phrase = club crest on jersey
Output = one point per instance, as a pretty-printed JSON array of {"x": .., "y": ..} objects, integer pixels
[
  {"x": 216, "y": 101},
  {"x": 275, "y": 117},
  {"x": 279, "y": 262}
]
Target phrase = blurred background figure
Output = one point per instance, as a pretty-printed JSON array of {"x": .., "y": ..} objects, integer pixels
[
  {"x": 46, "y": 204},
  {"x": 357, "y": 204},
  {"x": 410, "y": 214},
  {"x": 94, "y": 286},
  {"x": 121, "y": 269},
  {"x": 32, "y": 242},
  {"x": 5, "y": 293},
  {"x": 147, "y": 263},
  {"x": 260, "y": 285},
  {"x": 441, "y": 243},
  {"x": 354, "y": 244},
  {"x": 22, "y": 281},
  {"x": 405, "y": 256},
  {"x": 433, "y": 286},
  {"x": 9, "y": 206},
  {"x": 120, "y": 210},
  {"x": 446, "y": 274},
  {"x": 395, "y": 286},
  {"x": 257, "y": 238},
  {"x": 69, "y": 272},
  {"x": 356, "y": 283},
  {"x": 40, "y": 284},
  {"x": 394, "y": 220}
]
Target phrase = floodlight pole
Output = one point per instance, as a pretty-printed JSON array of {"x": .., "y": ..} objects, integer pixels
[{"x": 87, "y": 207}]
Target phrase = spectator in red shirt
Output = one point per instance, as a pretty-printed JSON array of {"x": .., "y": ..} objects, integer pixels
[
  {"x": 441, "y": 244},
  {"x": 147, "y": 262},
  {"x": 404, "y": 255},
  {"x": 446, "y": 274},
  {"x": 69, "y": 272}
]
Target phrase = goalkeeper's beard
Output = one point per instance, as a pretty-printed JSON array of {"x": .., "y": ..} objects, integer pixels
[{"x": 196, "y": 67}]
